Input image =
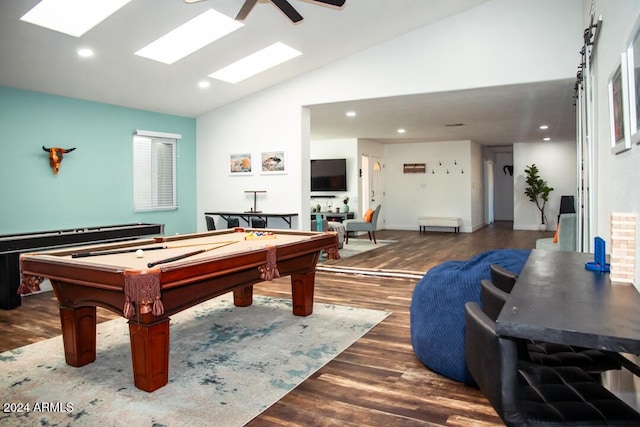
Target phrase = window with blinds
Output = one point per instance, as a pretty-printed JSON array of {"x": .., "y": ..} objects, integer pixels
[{"x": 154, "y": 171}]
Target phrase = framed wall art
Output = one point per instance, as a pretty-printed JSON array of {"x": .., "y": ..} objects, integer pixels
[
  {"x": 273, "y": 162},
  {"x": 618, "y": 107},
  {"x": 240, "y": 164},
  {"x": 633, "y": 78}
]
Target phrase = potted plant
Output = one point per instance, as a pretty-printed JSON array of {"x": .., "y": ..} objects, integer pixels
[{"x": 537, "y": 191}]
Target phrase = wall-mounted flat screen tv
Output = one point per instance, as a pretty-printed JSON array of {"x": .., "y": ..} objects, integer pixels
[{"x": 329, "y": 175}]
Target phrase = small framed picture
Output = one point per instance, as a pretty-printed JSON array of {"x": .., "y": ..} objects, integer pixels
[
  {"x": 240, "y": 164},
  {"x": 273, "y": 162},
  {"x": 633, "y": 78},
  {"x": 618, "y": 107}
]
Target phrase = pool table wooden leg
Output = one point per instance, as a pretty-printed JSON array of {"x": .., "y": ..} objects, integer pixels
[
  {"x": 78, "y": 335},
  {"x": 150, "y": 354},
  {"x": 302, "y": 286},
  {"x": 243, "y": 297}
]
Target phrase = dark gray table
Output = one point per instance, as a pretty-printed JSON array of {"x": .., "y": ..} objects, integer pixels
[
  {"x": 246, "y": 216},
  {"x": 556, "y": 299}
]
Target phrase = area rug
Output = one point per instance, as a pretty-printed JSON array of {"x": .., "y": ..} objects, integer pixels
[
  {"x": 359, "y": 246},
  {"x": 227, "y": 365}
]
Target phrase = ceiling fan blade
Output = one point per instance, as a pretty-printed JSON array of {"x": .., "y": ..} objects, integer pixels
[
  {"x": 288, "y": 10},
  {"x": 338, "y": 3},
  {"x": 246, "y": 8}
]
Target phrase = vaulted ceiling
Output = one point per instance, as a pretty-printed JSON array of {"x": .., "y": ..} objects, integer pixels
[{"x": 38, "y": 59}]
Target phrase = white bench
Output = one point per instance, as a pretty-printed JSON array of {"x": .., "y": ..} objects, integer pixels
[{"x": 438, "y": 221}]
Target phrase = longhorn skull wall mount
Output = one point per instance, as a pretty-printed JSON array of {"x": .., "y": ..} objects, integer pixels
[{"x": 56, "y": 155}]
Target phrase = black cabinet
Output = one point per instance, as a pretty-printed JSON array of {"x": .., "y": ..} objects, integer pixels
[
  {"x": 334, "y": 216},
  {"x": 12, "y": 245}
]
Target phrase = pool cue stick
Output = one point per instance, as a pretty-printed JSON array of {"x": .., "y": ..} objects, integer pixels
[
  {"x": 113, "y": 252},
  {"x": 187, "y": 255},
  {"x": 124, "y": 251}
]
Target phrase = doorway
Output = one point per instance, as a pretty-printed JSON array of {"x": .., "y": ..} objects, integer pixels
[
  {"x": 503, "y": 187},
  {"x": 372, "y": 189},
  {"x": 489, "y": 192}
]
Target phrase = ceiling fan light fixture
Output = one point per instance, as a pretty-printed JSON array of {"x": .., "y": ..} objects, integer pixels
[
  {"x": 189, "y": 37},
  {"x": 256, "y": 63},
  {"x": 284, "y": 6}
]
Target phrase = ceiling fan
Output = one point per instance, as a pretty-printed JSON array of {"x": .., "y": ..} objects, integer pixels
[{"x": 283, "y": 5}]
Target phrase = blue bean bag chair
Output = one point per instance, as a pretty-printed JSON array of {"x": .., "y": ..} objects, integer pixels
[{"x": 437, "y": 308}]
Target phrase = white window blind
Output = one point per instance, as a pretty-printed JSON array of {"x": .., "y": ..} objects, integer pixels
[{"x": 154, "y": 171}]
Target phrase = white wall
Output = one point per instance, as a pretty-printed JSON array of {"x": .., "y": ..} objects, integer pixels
[
  {"x": 617, "y": 175},
  {"x": 443, "y": 191},
  {"x": 500, "y": 42},
  {"x": 250, "y": 133},
  {"x": 557, "y": 165}
]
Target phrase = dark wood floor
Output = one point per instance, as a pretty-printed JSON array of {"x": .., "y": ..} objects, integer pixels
[{"x": 377, "y": 381}]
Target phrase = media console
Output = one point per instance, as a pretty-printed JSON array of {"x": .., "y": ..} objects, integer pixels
[{"x": 334, "y": 216}]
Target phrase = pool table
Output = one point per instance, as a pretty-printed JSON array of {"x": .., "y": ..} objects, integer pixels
[{"x": 170, "y": 275}]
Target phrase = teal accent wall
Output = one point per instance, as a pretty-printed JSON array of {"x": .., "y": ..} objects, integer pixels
[{"x": 95, "y": 184}]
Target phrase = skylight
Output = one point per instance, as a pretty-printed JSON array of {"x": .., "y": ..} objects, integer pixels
[
  {"x": 190, "y": 37},
  {"x": 255, "y": 63},
  {"x": 72, "y": 17}
]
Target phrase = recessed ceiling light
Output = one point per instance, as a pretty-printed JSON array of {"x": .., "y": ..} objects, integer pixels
[
  {"x": 72, "y": 17},
  {"x": 255, "y": 63},
  {"x": 204, "y": 84},
  {"x": 543, "y": 127},
  {"x": 546, "y": 139},
  {"x": 401, "y": 130},
  {"x": 190, "y": 37},
  {"x": 350, "y": 113},
  {"x": 85, "y": 52}
]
